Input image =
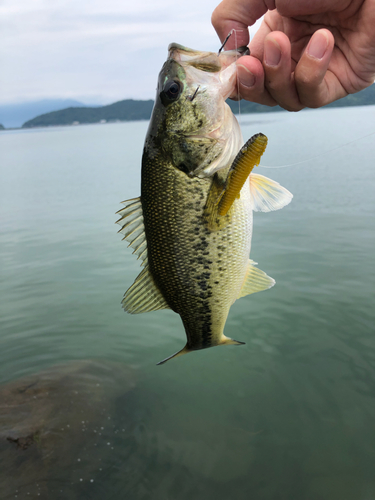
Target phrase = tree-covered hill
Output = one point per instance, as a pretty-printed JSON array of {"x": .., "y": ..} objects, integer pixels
[
  {"x": 363, "y": 98},
  {"x": 13, "y": 115},
  {"x": 126, "y": 110},
  {"x": 129, "y": 110}
]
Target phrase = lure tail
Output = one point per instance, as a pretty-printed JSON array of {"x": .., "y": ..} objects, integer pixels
[
  {"x": 223, "y": 194},
  {"x": 248, "y": 156}
]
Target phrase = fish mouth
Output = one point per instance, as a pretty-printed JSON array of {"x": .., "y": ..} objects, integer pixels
[
  {"x": 210, "y": 65},
  {"x": 211, "y": 62}
]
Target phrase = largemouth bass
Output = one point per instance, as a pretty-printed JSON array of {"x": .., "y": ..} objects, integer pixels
[{"x": 192, "y": 225}]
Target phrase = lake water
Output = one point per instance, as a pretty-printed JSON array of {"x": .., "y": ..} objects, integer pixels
[{"x": 289, "y": 415}]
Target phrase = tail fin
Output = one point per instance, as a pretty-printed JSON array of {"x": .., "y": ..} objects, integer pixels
[
  {"x": 185, "y": 350},
  {"x": 224, "y": 341},
  {"x": 228, "y": 341}
]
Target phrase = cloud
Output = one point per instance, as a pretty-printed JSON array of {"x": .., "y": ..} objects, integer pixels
[{"x": 94, "y": 50}]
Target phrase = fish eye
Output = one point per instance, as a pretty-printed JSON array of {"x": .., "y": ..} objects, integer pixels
[{"x": 172, "y": 89}]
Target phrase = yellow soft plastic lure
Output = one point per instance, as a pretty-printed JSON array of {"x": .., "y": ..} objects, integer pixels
[{"x": 248, "y": 156}]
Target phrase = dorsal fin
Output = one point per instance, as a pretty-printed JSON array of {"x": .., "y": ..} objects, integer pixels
[
  {"x": 143, "y": 295},
  {"x": 132, "y": 227}
]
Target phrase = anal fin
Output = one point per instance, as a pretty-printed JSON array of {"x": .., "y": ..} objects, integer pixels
[{"x": 255, "y": 280}]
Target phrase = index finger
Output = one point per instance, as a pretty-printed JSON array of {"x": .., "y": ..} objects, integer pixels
[{"x": 238, "y": 15}]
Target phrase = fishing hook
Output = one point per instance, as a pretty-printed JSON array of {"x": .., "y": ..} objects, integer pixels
[
  {"x": 225, "y": 41},
  {"x": 243, "y": 50},
  {"x": 194, "y": 95}
]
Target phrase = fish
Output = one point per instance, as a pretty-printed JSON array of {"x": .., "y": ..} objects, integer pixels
[{"x": 191, "y": 227}]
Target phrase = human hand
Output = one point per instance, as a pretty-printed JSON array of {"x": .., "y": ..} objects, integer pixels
[{"x": 305, "y": 54}]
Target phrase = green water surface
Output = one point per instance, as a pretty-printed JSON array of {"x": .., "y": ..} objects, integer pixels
[{"x": 291, "y": 414}]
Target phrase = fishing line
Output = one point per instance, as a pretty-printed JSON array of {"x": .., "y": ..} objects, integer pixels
[
  {"x": 237, "y": 79},
  {"x": 320, "y": 154}
]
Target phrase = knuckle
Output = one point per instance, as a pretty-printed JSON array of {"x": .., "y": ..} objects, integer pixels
[
  {"x": 290, "y": 103},
  {"x": 267, "y": 100},
  {"x": 293, "y": 108},
  {"x": 305, "y": 80},
  {"x": 285, "y": 95},
  {"x": 313, "y": 105},
  {"x": 308, "y": 79},
  {"x": 311, "y": 100},
  {"x": 288, "y": 100},
  {"x": 274, "y": 85}
]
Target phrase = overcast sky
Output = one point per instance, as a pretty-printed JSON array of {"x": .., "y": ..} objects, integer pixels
[{"x": 96, "y": 51}]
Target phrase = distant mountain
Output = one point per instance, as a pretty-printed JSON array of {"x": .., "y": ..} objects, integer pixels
[
  {"x": 14, "y": 115},
  {"x": 366, "y": 96},
  {"x": 1, "y": 127},
  {"x": 362, "y": 98},
  {"x": 127, "y": 110},
  {"x": 247, "y": 107}
]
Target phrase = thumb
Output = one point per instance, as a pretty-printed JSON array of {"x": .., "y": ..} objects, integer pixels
[{"x": 238, "y": 15}]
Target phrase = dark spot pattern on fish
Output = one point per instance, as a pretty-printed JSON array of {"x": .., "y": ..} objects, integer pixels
[{"x": 182, "y": 247}]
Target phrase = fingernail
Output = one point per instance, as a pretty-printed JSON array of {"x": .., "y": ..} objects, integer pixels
[
  {"x": 245, "y": 76},
  {"x": 318, "y": 45},
  {"x": 272, "y": 52}
]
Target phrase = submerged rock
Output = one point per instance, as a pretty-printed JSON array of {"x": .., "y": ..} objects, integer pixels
[{"x": 55, "y": 427}]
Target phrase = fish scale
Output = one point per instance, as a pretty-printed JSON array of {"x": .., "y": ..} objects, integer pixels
[{"x": 180, "y": 245}]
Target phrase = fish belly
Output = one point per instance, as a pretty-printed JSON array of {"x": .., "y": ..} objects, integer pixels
[{"x": 199, "y": 272}]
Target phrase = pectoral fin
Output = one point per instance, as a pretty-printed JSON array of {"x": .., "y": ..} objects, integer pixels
[
  {"x": 267, "y": 195},
  {"x": 214, "y": 220},
  {"x": 248, "y": 156},
  {"x": 255, "y": 280}
]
